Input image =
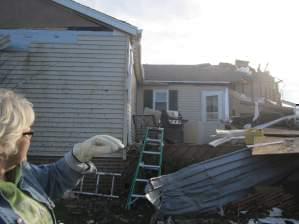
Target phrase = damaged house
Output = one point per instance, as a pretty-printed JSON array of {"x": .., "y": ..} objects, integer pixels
[
  {"x": 210, "y": 95},
  {"x": 257, "y": 98},
  {"x": 78, "y": 66},
  {"x": 82, "y": 70}
]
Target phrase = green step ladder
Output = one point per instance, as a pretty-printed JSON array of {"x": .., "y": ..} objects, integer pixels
[{"x": 149, "y": 163}]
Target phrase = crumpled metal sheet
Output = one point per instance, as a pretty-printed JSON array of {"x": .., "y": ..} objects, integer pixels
[
  {"x": 273, "y": 220},
  {"x": 209, "y": 185}
]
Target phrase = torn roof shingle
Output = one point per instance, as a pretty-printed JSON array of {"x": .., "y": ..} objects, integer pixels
[{"x": 223, "y": 72}]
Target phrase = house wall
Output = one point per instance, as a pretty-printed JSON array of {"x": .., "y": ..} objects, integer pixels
[
  {"x": 190, "y": 106},
  {"x": 76, "y": 83},
  {"x": 39, "y": 14}
]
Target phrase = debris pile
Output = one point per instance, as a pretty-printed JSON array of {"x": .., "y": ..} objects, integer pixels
[
  {"x": 230, "y": 184},
  {"x": 260, "y": 202}
]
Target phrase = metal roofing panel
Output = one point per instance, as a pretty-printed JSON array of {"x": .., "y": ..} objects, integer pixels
[
  {"x": 4, "y": 41},
  {"x": 209, "y": 185}
]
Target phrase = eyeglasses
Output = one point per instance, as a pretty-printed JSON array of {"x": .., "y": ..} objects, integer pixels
[{"x": 28, "y": 133}]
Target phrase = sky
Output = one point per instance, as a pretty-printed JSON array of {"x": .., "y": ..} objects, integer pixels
[{"x": 264, "y": 32}]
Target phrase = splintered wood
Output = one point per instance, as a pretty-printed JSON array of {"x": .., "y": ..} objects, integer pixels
[{"x": 277, "y": 141}]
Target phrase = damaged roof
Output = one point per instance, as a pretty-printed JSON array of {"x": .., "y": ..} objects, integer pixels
[
  {"x": 99, "y": 16},
  {"x": 223, "y": 72}
]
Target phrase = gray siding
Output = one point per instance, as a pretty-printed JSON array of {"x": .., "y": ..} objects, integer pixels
[
  {"x": 190, "y": 106},
  {"x": 189, "y": 102},
  {"x": 78, "y": 89}
]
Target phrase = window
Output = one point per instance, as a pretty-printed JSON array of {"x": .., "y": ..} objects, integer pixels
[
  {"x": 173, "y": 100},
  {"x": 161, "y": 99},
  {"x": 148, "y": 98},
  {"x": 212, "y": 108}
]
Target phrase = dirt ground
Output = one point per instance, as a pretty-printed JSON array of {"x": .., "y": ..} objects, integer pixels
[
  {"x": 102, "y": 211},
  {"x": 90, "y": 210}
]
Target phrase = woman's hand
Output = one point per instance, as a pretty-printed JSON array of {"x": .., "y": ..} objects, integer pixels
[{"x": 96, "y": 146}]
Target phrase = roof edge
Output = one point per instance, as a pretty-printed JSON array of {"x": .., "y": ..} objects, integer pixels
[
  {"x": 187, "y": 82},
  {"x": 106, "y": 19}
]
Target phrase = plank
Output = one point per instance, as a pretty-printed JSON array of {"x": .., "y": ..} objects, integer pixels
[
  {"x": 281, "y": 132},
  {"x": 290, "y": 146}
]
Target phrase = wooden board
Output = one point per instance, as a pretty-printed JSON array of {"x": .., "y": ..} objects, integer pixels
[
  {"x": 281, "y": 132},
  {"x": 290, "y": 146}
]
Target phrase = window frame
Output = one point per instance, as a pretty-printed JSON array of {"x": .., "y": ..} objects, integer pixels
[
  {"x": 212, "y": 114},
  {"x": 204, "y": 112}
]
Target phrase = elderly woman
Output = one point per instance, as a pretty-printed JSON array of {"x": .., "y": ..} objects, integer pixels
[{"x": 26, "y": 190}]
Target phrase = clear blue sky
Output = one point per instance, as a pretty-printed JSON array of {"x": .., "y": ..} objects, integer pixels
[{"x": 212, "y": 31}]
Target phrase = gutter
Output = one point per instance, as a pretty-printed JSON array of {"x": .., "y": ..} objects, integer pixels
[
  {"x": 148, "y": 82},
  {"x": 136, "y": 43}
]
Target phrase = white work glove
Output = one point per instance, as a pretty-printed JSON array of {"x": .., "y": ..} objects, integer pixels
[{"x": 96, "y": 146}]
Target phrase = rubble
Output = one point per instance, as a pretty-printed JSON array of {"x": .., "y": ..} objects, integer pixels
[
  {"x": 263, "y": 201},
  {"x": 228, "y": 135},
  {"x": 223, "y": 189},
  {"x": 209, "y": 185}
]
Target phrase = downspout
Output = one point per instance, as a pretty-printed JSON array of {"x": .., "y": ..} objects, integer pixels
[
  {"x": 126, "y": 99},
  {"x": 226, "y": 104},
  {"x": 129, "y": 102},
  {"x": 127, "y": 130}
]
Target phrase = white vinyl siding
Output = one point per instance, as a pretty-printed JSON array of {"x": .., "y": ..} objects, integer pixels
[
  {"x": 78, "y": 89},
  {"x": 190, "y": 105}
]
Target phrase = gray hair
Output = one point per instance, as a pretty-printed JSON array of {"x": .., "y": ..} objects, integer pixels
[{"x": 16, "y": 114}]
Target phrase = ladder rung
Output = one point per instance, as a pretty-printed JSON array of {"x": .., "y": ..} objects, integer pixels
[
  {"x": 151, "y": 152},
  {"x": 152, "y": 167},
  {"x": 156, "y": 129},
  {"x": 138, "y": 196},
  {"x": 152, "y": 140},
  {"x": 154, "y": 137},
  {"x": 154, "y": 144},
  {"x": 142, "y": 180}
]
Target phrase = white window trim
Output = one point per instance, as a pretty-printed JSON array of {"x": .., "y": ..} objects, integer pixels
[
  {"x": 167, "y": 97},
  {"x": 206, "y": 93}
]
